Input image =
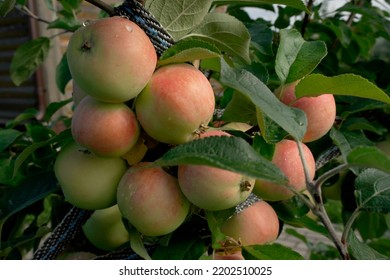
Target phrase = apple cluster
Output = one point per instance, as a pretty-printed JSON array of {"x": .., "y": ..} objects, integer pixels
[{"x": 120, "y": 95}]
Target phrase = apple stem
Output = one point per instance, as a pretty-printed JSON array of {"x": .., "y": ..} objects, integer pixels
[{"x": 319, "y": 210}]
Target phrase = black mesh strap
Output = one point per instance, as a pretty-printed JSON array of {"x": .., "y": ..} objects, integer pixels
[
  {"x": 136, "y": 12},
  {"x": 63, "y": 234}
]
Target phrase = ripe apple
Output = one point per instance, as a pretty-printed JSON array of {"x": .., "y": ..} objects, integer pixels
[
  {"x": 256, "y": 224},
  {"x": 88, "y": 181},
  {"x": 105, "y": 229},
  {"x": 320, "y": 110},
  {"x": 212, "y": 188},
  {"x": 286, "y": 157},
  {"x": 176, "y": 105},
  {"x": 111, "y": 59},
  {"x": 151, "y": 200},
  {"x": 106, "y": 129}
]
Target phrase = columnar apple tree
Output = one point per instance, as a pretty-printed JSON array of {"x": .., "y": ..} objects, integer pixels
[{"x": 243, "y": 129}]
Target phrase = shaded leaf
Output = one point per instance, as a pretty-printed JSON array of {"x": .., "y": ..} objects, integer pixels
[
  {"x": 7, "y": 137},
  {"x": 362, "y": 251},
  {"x": 33, "y": 189},
  {"x": 370, "y": 157},
  {"x": 53, "y": 107},
  {"x": 63, "y": 75},
  {"x": 230, "y": 153},
  {"x": 290, "y": 119},
  {"x": 344, "y": 84},
  {"x": 215, "y": 220},
  {"x": 270, "y": 252},
  {"x": 6, "y": 6},
  {"x": 27, "y": 58}
]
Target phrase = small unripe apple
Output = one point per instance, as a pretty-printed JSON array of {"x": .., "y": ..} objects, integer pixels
[
  {"x": 151, "y": 200},
  {"x": 111, "y": 59},
  {"x": 88, "y": 181},
  {"x": 176, "y": 105},
  {"x": 286, "y": 157},
  {"x": 320, "y": 111},
  {"x": 106, "y": 129},
  {"x": 256, "y": 224},
  {"x": 105, "y": 229},
  {"x": 212, "y": 188}
]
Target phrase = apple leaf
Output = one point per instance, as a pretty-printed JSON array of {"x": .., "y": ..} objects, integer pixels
[
  {"x": 31, "y": 190},
  {"x": 27, "y": 58},
  {"x": 214, "y": 221},
  {"x": 372, "y": 191},
  {"x": 178, "y": 17},
  {"x": 296, "y": 57},
  {"x": 226, "y": 32},
  {"x": 188, "y": 50},
  {"x": 362, "y": 251},
  {"x": 290, "y": 119},
  {"x": 63, "y": 75},
  {"x": 6, "y": 6},
  {"x": 370, "y": 157},
  {"x": 230, "y": 153},
  {"x": 24, "y": 155},
  {"x": 270, "y": 252},
  {"x": 297, "y": 4},
  {"x": 240, "y": 109},
  {"x": 7, "y": 137},
  {"x": 344, "y": 84},
  {"x": 137, "y": 244}
]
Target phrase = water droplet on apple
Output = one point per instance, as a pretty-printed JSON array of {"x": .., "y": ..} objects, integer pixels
[{"x": 129, "y": 28}]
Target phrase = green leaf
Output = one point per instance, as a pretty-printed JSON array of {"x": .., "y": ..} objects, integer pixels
[
  {"x": 362, "y": 251},
  {"x": 240, "y": 109},
  {"x": 53, "y": 107},
  {"x": 188, "y": 50},
  {"x": 226, "y": 32},
  {"x": 7, "y": 137},
  {"x": 270, "y": 252},
  {"x": 63, "y": 75},
  {"x": 27, "y": 58},
  {"x": 28, "y": 114},
  {"x": 230, "y": 153},
  {"x": 261, "y": 38},
  {"x": 33, "y": 189},
  {"x": 372, "y": 191},
  {"x": 344, "y": 84},
  {"x": 297, "y": 4},
  {"x": 290, "y": 119},
  {"x": 68, "y": 23},
  {"x": 186, "y": 248},
  {"x": 369, "y": 157},
  {"x": 24, "y": 155},
  {"x": 6, "y": 6},
  {"x": 215, "y": 220},
  {"x": 296, "y": 57},
  {"x": 178, "y": 17},
  {"x": 137, "y": 244}
]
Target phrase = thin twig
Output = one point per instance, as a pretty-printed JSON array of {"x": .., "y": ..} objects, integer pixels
[
  {"x": 28, "y": 12},
  {"x": 306, "y": 19},
  {"x": 104, "y": 6}
]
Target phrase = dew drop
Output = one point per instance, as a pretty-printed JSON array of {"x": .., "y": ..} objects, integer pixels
[{"x": 129, "y": 28}]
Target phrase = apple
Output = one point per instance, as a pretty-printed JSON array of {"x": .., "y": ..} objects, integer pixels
[
  {"x": 151, "y": 200},
  {"x": 105, "y": 229},
  {"x": 111, "y": 59},
  {"x": 106, "y": 129},
  {"x": 88, "y": 181},
  {"x": 212, "y": 188},
  {"x": 176, "y": 105},
  {"x": 286, "y": 157},
  {"x": 320, "y": 110},
  {"x": 256, "y": 224}
]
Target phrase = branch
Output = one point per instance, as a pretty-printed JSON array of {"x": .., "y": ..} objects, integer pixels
[
  {"x": 306, "y": 19},
  {"x": 104, "y": 6}
]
